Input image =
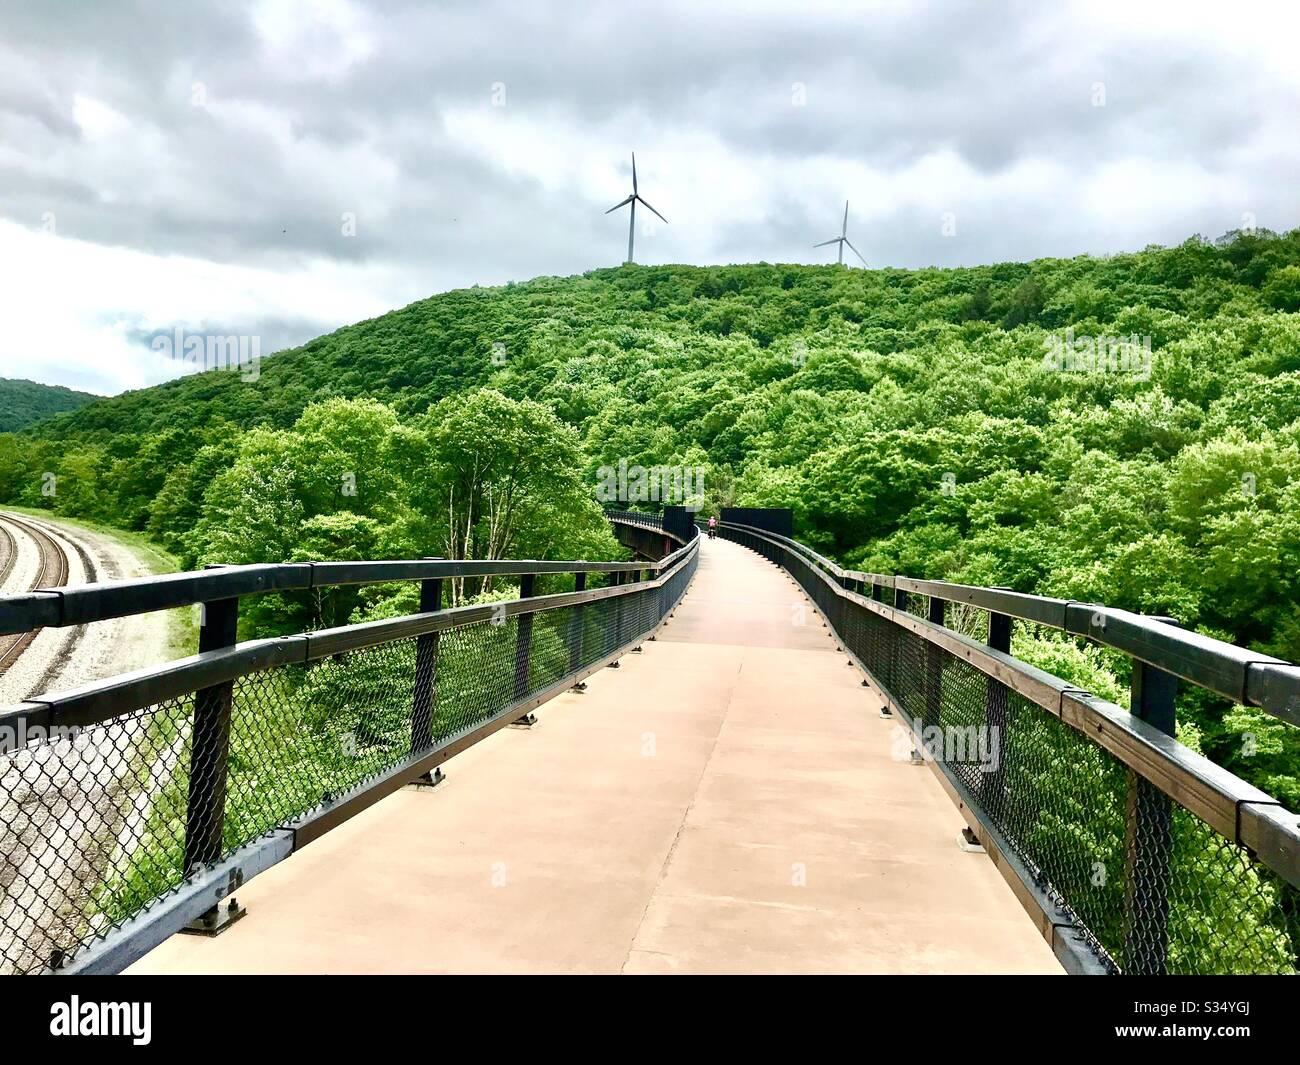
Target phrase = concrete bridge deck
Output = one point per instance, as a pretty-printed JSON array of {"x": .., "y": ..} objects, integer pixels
[{"x": 724, "y": 802}]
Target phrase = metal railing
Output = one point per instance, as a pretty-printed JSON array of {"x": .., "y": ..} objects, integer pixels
[
  {"x": 638, "y": 517},
  {"x": 1131, "y": 852},
  {"x": 129, "y": 808}
]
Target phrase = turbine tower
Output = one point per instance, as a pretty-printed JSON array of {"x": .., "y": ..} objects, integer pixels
[
  {"x": 633, "y": 200},
  {"x": 841, "y": 240}
]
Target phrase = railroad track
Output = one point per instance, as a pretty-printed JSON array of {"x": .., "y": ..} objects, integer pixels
[
  {"x": 9, "y": 555},
  {"x": 51, "y": 886},
  {"x": 51, "y": 573}
]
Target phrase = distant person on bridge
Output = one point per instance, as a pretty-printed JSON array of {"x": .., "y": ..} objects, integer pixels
[{"x": 713, "y": 528}]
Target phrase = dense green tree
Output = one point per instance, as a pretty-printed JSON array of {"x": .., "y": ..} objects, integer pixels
[
  {"x": 24, "y": 403},
  {"x": 917, "y": 421}
]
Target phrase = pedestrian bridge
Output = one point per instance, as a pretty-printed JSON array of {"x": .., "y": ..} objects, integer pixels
[
  {"x": 725, "y": 801},
  {"x": 731, "y": 756}
]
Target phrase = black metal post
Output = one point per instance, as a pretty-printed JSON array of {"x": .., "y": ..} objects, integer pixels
[
  {"x": 620, "y": 612},
  {"x": 636, "y": 577},
  {"x": 205, "y": 809},
  {"x": 575, "y": 641},
  {"x": 896, "y": 650},
  {"x": 934, "y": 665},
  {"x": 616, "y": 610},
  {"x": 995, "y": 717},
  {"x": 1149, "y": 835},
  {"x": 839, "y": 622},
  {"x": 524, "y": 647},
  {"x": 426, "y": 677},
  {"x": 615, "y": 579}
]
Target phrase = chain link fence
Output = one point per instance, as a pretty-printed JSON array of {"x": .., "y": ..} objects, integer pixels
[{"x": 100, "y": 825}]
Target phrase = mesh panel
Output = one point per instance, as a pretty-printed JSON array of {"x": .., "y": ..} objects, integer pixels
[
  {"x": 82, "y": 844},
  {"x": 639, "y": 516},
  {"x": 96, "y": 829}
]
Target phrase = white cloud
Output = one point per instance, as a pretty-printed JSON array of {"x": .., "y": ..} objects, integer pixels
[
  {"x": 96, "y": 119},
  {"x": 314, "y": 38},
  {"x": 79, "y": 313}
]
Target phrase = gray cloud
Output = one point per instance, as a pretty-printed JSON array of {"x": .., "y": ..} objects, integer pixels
[{"x": 383, "y": 110}]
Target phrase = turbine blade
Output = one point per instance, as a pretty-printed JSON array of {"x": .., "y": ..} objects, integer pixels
[
  {"x": 661, "y": 217},
  {"x": 855, "y": 250},
  {"x": 844, "y": 229},
  {"x": 634, "y": 176},
  {"x": 833, "y": 240},
  {"x": 621, "y": 203}
]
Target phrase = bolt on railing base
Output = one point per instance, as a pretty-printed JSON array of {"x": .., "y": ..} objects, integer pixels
[
  {"x": 430, "y": 780},
  {"x": 529, "y": 720},
  {"x": 216, "y": 920}
]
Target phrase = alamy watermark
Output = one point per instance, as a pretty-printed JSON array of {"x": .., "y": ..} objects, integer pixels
[
  {"x": 17, "y": 735},
  {"x": 119, "y": 1020},
  {"x": 1103, "y": 354},
  {"x": 674, "y": 485},
  {"x": 208, "y": 351},
  {"x": 962, "y": 744}
]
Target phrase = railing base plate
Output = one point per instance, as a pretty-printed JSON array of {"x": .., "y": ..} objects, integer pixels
[
  {"x": 216, "y": 920},
  {"x": 429, "y": 781}
]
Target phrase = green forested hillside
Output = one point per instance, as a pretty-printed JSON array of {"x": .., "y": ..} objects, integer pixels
[
  {"x": 943, "y": 423},
  {"x": 23, "y": 403}
]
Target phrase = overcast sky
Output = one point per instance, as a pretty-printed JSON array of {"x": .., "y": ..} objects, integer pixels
[{"x": 200, "y": 166}]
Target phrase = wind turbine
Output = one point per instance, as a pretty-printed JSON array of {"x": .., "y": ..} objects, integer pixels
[
  {"x": 841, "y": 240},
  {"x": 631, "y": 220}
]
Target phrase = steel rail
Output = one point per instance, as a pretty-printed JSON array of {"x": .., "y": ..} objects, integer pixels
[
  {"x": 10, "y": 553},
  {"x": 53, "y": 570}
]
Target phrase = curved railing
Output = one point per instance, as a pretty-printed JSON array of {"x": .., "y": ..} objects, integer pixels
[
  {"x": 1132, "y": 852},
  {"x": 131, "y": 806},
  {"x": 128, "y": 807},
  {"x": 636, "y": 517}
]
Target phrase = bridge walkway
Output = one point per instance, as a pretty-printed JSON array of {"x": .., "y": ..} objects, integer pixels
[{"x": 726, "y": 801}]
